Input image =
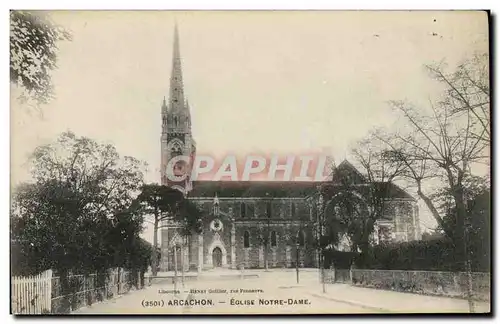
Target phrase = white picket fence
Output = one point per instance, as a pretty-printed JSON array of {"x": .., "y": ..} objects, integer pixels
[{"x": 32, "y": 295}]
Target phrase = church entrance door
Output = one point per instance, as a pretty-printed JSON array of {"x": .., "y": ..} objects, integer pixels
[{"x": 217, "y": 257}]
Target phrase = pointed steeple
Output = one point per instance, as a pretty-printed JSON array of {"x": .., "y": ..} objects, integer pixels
[
  {"x": 176, "y": 129},
  {"x": 176, "y": 100}
]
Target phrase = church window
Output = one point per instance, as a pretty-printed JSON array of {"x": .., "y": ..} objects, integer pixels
[
  {"x": 293, "y": 210},
  {"x": 164, "y": 120},
  {"x": 250, "y": 211},
  {"x": 268, "y": 210},
  {"x": 273, "y": 238},
  {"x": 384, "y": 234},
  {"x": 243, "y": 210},
  {"x": 301, "y": 239},
  {"x": 246, "y": 239},
  {"x": 176, "y": 121}
]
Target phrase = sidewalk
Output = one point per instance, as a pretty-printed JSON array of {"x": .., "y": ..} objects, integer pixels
[
  {"x": 132, "y": 302},
  {"x": 392, "y": 301}
]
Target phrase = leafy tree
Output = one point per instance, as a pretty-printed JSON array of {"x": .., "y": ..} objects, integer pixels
[
  {"x": 139, "y": 254},
  {"x": 478, "y": 219},
  {"x": 77, "y": 215},
  {"x": 159, "y": 204},
  {"x": 33, "y": 53},
  {"x": 163, "y": 206},
  {"x": 190, "y": 217}
]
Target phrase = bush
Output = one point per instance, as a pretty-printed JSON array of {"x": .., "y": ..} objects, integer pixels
[
  {"x": 435, "y": 255},
  {"x": 339, "y": 259}
]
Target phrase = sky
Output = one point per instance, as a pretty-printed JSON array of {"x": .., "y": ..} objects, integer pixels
[{"x": 256, "y": 81}]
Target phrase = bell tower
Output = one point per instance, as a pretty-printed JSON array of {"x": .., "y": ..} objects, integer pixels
[
  {"x": 176, "y": 141},
  {"x": 176, "y": 136}
]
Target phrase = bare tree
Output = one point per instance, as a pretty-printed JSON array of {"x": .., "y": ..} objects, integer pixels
[
  {"x": 467, "y": 91},
  {"x": 356, "y": 200},
  {"x": 440, "y": 145},
  {"x": 439, "y": 149},
  {"x": 379, "y": 173}
]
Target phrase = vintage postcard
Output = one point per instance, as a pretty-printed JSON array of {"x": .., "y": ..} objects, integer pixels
[{"x": 250, "y": 162}]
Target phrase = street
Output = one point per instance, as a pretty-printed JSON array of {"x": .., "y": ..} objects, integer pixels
[{"x": 274, "y": 292}]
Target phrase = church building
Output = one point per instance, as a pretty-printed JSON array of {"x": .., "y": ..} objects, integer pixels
[{"x": 256, "y": 223}]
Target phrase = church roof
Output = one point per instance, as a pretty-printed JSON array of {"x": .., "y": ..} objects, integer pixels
[
  {"x": 279, "y": 189},
  {"x": 261, "y": 189},
  {"x": 387, "y": 189},
  {"x": 296, "y": 189}
]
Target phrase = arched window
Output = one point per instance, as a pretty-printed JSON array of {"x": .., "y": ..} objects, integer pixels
[
  {"x": 246, "y": 239},
  {"x": 293, "y": 210},
  {"x": 243, "y": 210},
  {"x": 250, "y": 210},
  {"x": 273, "y": 238},
  {"x": 164, "y": 120},
  {"x": 176, "y": 121},
  {"x": 268, "y": 209},
  {"x": 301, "y": 238}
]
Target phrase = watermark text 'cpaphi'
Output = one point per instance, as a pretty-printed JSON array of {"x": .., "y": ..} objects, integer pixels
[{"x": 249, "y": 168}]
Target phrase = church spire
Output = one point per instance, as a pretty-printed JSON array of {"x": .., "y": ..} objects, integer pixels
[{"x": 176, "y": 100}]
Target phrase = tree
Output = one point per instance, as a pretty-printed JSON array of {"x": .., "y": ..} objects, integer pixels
[
  {"x": 478, "y": 208},
  {"x": 264, "y": 229},
  {"x": 77, "y": 215},
  {"x": 441, "y": 147},
  {"x": 163, "y": 206},
  {"x": 139, "y": 258},
  {"x": 189, "y": 217},
  {"x": 355, "y": 200},
  {"x": 379, "y": 174},
  {"x": 33, "y": 53},
  {"x": 467, "y": 91}
]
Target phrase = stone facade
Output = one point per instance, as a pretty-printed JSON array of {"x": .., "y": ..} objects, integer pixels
[{"x": 232, "y": 238}]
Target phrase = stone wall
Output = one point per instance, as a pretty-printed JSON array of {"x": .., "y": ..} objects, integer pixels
[{"x": 438, "y": 283}]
